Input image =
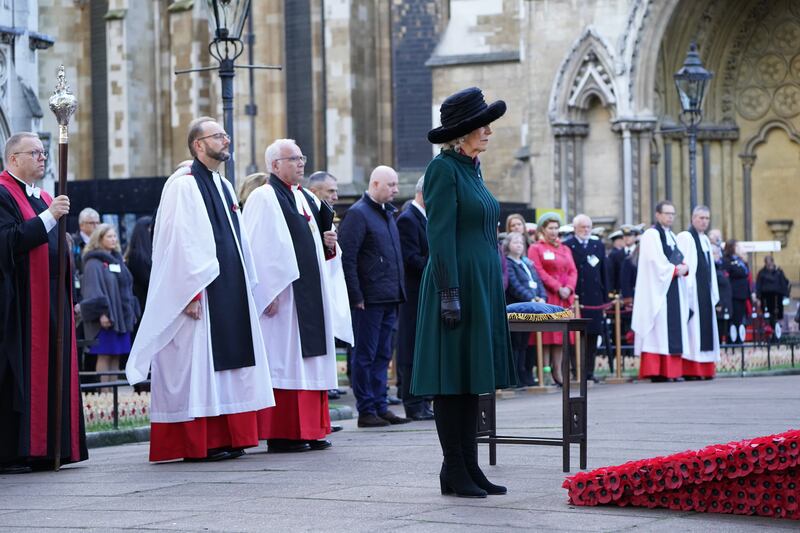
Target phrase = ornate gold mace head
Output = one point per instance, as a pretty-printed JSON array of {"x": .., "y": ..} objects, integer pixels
[{"x": 63, "y": 104}]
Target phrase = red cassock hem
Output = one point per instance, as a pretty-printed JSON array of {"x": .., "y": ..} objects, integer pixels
[
  {"x": 297, "y": 415},
  {"x": 660, "y": 365},
  {"x": 193, "y": 439},
  {"x": 700, "y": 370}
]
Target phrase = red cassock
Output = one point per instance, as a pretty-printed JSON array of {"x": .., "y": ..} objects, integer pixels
[
  {"x": 28, "y": 340},
  {"x": 196, "y": 438},
  {"x": 297, "y": 415},
  {"x": 556, "y": 268}
]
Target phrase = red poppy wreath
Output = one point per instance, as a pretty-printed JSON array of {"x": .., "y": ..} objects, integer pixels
[{"x": 750, "y": 477}]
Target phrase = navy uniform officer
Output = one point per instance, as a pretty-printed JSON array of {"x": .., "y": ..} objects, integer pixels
[{"x": 590, "y": 260}]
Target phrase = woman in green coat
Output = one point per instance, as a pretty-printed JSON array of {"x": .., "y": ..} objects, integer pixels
[{"x": 463, "y": 347}]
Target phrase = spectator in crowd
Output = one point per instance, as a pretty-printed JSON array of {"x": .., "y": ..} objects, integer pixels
[
  {"x": 110, "y": 310},
  {"x": 702, "y": 351},
  {"x": 373, "y": 268},
  {"x": 741, "y": 289},
  {"x": 516, "y": 223},
  {"x": 463, "y": 347},
  {"x": 771, "y": 288},
  {"x": 556, "y": 268},
  {"x": 724, "y": 307},
  {"x": 589, "y": 256},
  {"x": 628, "y": 277},
  {"x": 715, "y": 238},
  {"x": 292, "y": 242},
  {"x": 139, "y": 257},
  {"x": 524, "y": 285},
  {"x": 615, "y": 257},
  {"x": 412, "y": 224},
  {"x": 324, "y": 186},
  {"x": 200, "y": 328},
  {"x": 88, "y": 220},
  {"x": 248, "y": 185},
  {"x": 660, "y": 307},
  {"x": 29, "y": 285}
]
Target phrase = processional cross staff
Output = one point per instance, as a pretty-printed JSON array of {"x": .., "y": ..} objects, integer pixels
[{"x": 63, "y": 105}]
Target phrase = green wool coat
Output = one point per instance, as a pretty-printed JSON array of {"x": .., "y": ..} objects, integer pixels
[{"x": 475, "y": 357}]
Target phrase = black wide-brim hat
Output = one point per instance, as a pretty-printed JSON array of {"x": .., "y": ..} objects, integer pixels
[{"x": 463, "y": 112}]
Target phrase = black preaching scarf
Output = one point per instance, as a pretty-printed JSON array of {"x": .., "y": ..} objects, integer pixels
[
  {"x": 674, "y": 333},
  {"x": 228, "y": 310},
  {"x": 307, "y": 288},
  {"x": 704, "y": 295}
]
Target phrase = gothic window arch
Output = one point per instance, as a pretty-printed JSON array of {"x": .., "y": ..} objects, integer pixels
[{"x": 585, "y": 73}]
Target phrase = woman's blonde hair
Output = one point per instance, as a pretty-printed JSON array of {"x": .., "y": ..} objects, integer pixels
[
  {"x": 510, "y": 237},
  {"x": 97, "y": 237},
  {"x": 249, "y": 184},
  {"x": 516, "y": 216}
]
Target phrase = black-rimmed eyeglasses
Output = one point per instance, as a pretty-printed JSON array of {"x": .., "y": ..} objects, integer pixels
[
  {"x": 216, "y": 136},
  {"x": 294, "y": 159},
  {"x": 36, "y": 154}
]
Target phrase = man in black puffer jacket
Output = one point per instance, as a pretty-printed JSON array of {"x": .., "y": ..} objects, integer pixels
[{"x": 373, "y": 270}]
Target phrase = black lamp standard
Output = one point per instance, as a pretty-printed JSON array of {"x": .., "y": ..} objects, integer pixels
[
  {"x": 691, "y": 81},
  {"x": 226, "y": 20}
]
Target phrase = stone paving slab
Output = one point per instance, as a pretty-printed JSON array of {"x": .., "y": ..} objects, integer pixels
[{"x": 386, "y": 479}]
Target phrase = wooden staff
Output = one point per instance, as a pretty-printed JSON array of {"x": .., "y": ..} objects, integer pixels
[{"x": 63, "y": 104}]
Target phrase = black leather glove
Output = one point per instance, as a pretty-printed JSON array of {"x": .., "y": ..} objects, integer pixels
[{"x": 450, "y": 307}]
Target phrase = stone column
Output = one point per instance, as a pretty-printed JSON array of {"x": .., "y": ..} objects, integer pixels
[
  {"x": 627, "y": 176},
  {"x": 747, "y": 173}
]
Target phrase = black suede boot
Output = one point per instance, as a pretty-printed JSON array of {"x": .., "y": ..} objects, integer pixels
[
  {"x": 469, "y": 431},
  {"x": 453, "y": 477}
]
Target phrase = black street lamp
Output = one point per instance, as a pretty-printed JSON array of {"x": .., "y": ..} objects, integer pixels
[
  {"x": 225, "y": 21},
  {"x": 691, "y": 81}
]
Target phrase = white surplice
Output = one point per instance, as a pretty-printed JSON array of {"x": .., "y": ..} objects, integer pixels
[
  {"x": 276, "y": 266},
  {"x": 184, "y": 383},
  {"x": 653, "y": 277},
  {"x": 687, "y": 246},
  {"x": 340, "y": 301}
]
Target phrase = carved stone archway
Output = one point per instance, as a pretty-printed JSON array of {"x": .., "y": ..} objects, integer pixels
[{"x": 585, "y": 76}]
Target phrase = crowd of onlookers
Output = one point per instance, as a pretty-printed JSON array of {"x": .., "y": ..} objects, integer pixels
[{"x": 384, "y": 255}]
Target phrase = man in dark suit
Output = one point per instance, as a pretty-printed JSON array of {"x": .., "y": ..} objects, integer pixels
[
  {"x": 373, "y": 269},
  {"x": 589, "y": 255},
  {"x": 614, "y": 261},
  {"x": 411, "y": 225}
]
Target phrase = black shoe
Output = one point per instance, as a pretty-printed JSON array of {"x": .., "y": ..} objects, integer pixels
[
  {"x": 287, "y": 446},
  {"x": 371, "y": 421},
  {"x": 335, "y": 428},
  {"x": 393, "y": 418},
  {"x": 321, "y": 444},
  {"x": 333, "y": 394},
  {"x": 233, "y": 454},
  {"x": 15, "y": 469},
  {"x": 213, "y": 456},
  {"x": 394, "y": 400}
]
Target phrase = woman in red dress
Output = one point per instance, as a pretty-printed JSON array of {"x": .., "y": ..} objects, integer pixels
[{"x": 556, "y": 267}]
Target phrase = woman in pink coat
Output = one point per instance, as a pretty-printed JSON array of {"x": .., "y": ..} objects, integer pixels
[{"x": 556, "y": 268}]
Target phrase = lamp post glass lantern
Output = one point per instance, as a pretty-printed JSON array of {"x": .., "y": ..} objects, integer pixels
[
  {"x": 225, "y": 21},
  {"x": 691, "y": 81}
]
